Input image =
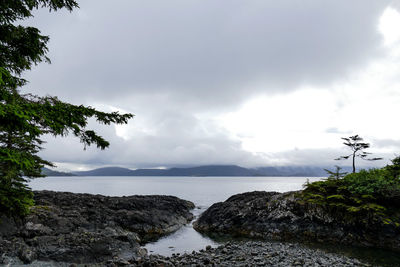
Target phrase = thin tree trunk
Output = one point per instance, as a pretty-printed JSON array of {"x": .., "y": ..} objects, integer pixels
[{"x": 354, "y": 162}]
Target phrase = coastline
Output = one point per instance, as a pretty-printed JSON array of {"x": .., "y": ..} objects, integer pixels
[{"x": 68, "y": 229}]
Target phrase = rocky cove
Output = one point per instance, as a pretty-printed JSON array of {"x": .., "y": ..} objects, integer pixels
[{"x": 68, "y": 229}]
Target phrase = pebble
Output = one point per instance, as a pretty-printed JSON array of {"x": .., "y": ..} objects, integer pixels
[{"x": 254, "y": 253}]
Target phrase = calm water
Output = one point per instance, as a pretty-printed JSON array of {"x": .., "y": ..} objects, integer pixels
[{"x": 203, "y": 191}]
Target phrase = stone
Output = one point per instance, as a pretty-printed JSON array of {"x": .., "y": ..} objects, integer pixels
[
  {"x": 27, "y": 255},
  {"x": 142, "y": 252},
  {"x": 294, "y": 253},
  {"x": 206, "y": 261}
]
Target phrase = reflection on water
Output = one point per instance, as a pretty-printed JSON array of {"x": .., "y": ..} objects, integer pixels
[{"x": 185, "y": 240}]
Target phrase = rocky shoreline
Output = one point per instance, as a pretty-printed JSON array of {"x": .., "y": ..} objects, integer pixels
[
  {"x": 68, "y": 229},
  {"x": 84, "y": 228},
  {"x": 252, "y": 253},
  {"x": 244, "y": 253},
  {"x": 282, "y": 216}
]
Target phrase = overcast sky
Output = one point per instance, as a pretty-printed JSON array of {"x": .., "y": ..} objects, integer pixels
[{"x": 252, "y": 83}]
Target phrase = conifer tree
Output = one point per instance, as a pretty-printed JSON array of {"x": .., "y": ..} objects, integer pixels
[
  {"x": 357, "y": 148},
  {"x": 336, "y": 174},
  {"x": 24, "y": 118}
]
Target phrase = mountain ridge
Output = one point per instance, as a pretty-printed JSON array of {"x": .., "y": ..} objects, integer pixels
[
  {"x": 48, "y": 172},
  {"x": 209, "y": 170}
]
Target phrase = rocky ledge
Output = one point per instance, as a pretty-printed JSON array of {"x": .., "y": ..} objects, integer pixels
[
  {"x": 84, "y": 228},
  {"x": 282, "y": 216}
]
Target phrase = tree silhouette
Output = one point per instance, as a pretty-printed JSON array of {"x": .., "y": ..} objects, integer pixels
[{"x": 357, "y": 147}]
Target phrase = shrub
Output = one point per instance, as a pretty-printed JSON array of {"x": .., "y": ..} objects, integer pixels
[
  {"x": 394, "y": 169},
  {"x": 365, "y": 197}
]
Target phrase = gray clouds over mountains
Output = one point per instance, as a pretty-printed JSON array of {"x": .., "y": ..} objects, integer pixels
[{"x": 179, "y": 65}]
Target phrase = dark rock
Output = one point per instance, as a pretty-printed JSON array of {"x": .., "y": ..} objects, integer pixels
[
  {"x": 27, "y": 255},
  {"x": 272, "y": 215},
  {"x": 8, "y": 226},
  {"x": 83, "y": 228},
  {"x": 206, "y": 261}
]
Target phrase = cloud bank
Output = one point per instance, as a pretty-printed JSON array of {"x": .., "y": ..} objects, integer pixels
[{"x": 188, "y": 69}]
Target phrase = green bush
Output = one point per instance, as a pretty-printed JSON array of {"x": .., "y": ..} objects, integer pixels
[
  {"x": 363, "y": 197},
  {"x": 374, "y": 181},
  {"x": 394, "y": 168}
]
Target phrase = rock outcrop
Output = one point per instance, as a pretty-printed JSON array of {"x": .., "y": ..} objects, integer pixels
[
  {"x": 282, "y": 216},
  {"x": 84, "y": 228}
]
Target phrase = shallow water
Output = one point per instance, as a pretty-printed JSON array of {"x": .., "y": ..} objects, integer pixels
[{"x": 203, "y": 192}]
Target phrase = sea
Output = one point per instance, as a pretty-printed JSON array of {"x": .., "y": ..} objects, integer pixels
[{"x": 203, "y": 192}]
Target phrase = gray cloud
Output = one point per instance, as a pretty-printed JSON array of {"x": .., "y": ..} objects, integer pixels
[
  {"x": 167, "y": 61},
  {"x": 326, "y": 157},
  {"x": 177, "y": 141},
  {"x": 153, "y": 151},
  {"x": 387, "y": 143},
  {"x": 204, "y": 52},
  {"x": 336, "y": 130}
]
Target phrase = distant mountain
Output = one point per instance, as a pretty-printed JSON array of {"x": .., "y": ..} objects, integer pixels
[
  {"x": 212, "y": 170},
  {"x": 107, "y": 171},
  {"x": 48, "y": 172},
  {"x": 148, "y": 172},
  {"x": 291, "y": 171},
  {"x": 209, "y": 170}
]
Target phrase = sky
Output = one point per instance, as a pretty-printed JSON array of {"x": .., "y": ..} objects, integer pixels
[{"x": 251, "y": 83}]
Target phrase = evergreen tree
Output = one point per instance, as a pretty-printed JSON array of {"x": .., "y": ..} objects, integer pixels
[
  {"x": 357, "y": 148},
  {"x": 336, "y": 174},
  {"x": 25, "y": 118}
]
